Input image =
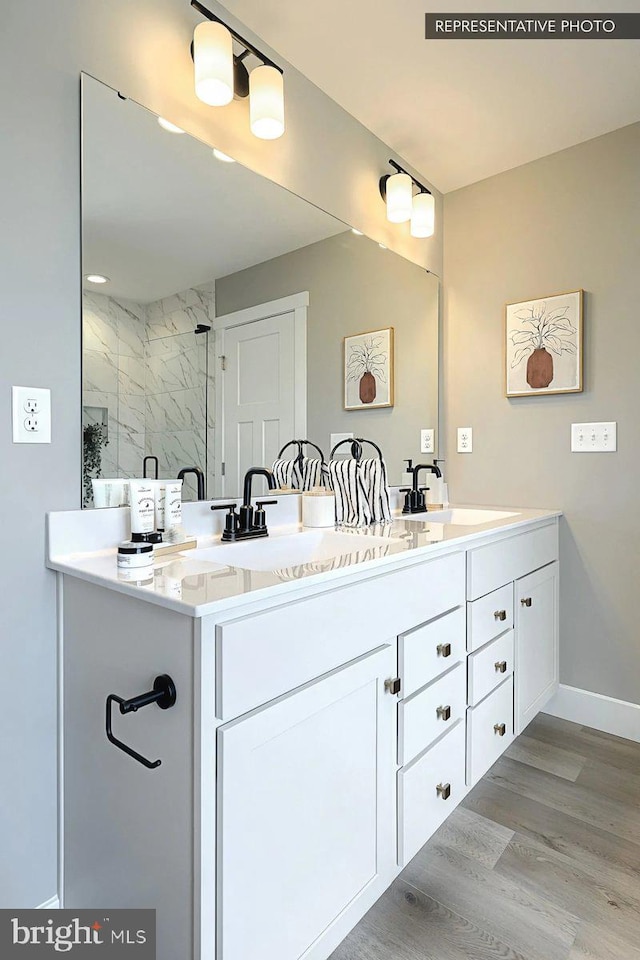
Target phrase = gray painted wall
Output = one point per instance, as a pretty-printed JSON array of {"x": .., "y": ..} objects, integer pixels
[
  {"x": 354, "y": 286},
  {"x": 142, "y": 49},
  {"x": 567, "y": 221}
]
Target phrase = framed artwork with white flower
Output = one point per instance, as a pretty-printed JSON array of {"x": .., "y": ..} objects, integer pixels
[
  {"x": 543, "y": 345},
  {"x": 368, "y": 370}
]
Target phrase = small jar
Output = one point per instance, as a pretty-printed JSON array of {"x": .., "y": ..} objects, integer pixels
[{"x": 135, "y": 555}]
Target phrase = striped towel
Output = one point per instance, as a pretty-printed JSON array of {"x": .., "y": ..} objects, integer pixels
[
  {"x": 373, "y": 476},
  {"x": 287, "y": 474},
  {"x": 312, "y": 473},
  {"x": 352, "y": 502}
]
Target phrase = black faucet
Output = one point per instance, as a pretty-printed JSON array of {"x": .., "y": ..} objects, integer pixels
[
  {"x": 199, "y": 478},
  {"x": 414, "y": 501},
  {"x": 144, "y": 466},
  {"x": 249, "y": 523}
]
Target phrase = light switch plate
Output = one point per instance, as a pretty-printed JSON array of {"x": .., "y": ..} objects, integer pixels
[
  {"x": 594, "y": 437},
  {"x": 428, "y": 440},
  {"x": 31, "y": 415},
  {"x": 465, "y": 440},
  {"x": 338, "y": 437}
]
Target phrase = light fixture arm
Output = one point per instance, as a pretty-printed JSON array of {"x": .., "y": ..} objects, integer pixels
[
  {"x": 396, "y": 166},
  {"x": 248, "y": 47}
]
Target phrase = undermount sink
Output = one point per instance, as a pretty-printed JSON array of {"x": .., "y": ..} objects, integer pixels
[
  {"x": 274, "y": 553},
  {"x": 463, "y": 516}
]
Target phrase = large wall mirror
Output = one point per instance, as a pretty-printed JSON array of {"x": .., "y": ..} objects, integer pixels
[{"x": 217, "y": 334}]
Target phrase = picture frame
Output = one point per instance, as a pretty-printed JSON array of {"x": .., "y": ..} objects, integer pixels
[
  {"x": 369, "y": 370},
  {"x": 543, "y": 345}
]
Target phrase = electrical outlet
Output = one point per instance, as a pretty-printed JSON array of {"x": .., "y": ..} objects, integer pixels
[
  {"x": 465, "y": 440},
  {"x": 428, "y": 441},
  {"x": 31, "y": 415},
  {"x": 339, "y": 437},
  {"x": 594, "y": 437}
]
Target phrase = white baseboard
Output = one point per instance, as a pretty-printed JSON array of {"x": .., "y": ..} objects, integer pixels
[
  {"x": 595, "y": 710},
  {"x": 51, "y": 904}
]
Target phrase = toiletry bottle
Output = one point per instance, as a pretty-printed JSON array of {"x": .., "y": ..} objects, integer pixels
[{"x": 142, "y": 507}]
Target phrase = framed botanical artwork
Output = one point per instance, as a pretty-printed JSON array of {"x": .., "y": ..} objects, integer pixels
[
  {"x": 368, "y": 370},
  {"x": 543, "y": 345}
]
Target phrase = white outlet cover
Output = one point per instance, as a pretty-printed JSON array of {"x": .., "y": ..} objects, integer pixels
[
  {"x": 428, "y": 440},
  {"x": 339, "y": 437},
  {"x": 31, "y": 415},
  {"x": 465, "y": 440}
]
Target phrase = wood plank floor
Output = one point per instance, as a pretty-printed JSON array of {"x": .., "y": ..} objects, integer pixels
[{"x": 540, "y": 862}]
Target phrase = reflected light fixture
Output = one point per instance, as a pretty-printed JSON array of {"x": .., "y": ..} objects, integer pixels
[
  {"x": 221, "y": 74},
  {"x": 219, "y": 155},
  {"x": 168, "y": 126},
  {"x": 358, "y": 233},
  {"x": 396, "y": 189},
  {"x": 96, "y": 278}
]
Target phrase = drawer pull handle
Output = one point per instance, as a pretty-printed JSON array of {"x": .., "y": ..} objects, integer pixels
[
  {"x": 501, "y": 666},
  {"x": 500, "y": 729},
  {"x": 500, "y": 614},
  {"x": 444, "y": 649},
  {"x": 393, "y": 685},
  {"x": 444, "y": 790},
  {"x": 526, "y": 601},
  {"x": 444, "y": 713}
]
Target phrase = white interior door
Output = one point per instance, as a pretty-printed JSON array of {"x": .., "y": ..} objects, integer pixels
[{"x": 258, "y": 395}]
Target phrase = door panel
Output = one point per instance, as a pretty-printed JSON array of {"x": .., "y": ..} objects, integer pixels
[
  {"x": 304, "y": 822},
  {"x": 536, "y": 642}
]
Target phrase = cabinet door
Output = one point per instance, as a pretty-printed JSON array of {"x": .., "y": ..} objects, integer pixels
[
  {"x": 536, "y": 662},
  {"x": 306, "y": 818}
]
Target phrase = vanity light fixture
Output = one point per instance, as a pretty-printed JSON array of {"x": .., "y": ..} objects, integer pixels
[
  {"x": 396, "y": 189},
  {"x": 221, "y": 74},
  {"x": 96, "y": 278},
  {"x": 219, "y": 155},
  {"x": 168, "y": 126}
]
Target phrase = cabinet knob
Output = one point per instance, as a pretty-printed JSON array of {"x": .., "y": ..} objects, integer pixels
[
  {"x": 393, "y": 685},
  {"x": 500, "y": 729},
  {"x": 501, "y": 666},
  {"x": 444, "y": 649},
  {"x": 444, "y": 713},
  {"x": 444, "y": 790},
  {"x": 500, "y": 614},
  {"x": 526, "y": 601}
]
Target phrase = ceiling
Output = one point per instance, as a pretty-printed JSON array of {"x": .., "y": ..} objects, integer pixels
[
  {"x": 160, "y": 214},
  {"x": 457, "y": 110}
]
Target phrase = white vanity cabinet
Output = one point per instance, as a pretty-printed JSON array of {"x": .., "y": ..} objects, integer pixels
[
  {"x": 305, "y": 811},
  {"x": 319, "y": 738}
]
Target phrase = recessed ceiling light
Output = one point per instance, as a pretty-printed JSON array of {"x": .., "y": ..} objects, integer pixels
[
  {"x": 168, "y": 126},
  {"x": 96, "y": 278},
  {"x": 358, "y": 233},
  {"x": 219, "y": 155}
]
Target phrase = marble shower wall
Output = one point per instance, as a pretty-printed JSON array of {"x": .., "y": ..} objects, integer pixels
[
  {"x": 179, "y": 427},
  {"x": 144, "y": 374},
  {"x": 114, "y": 337}
]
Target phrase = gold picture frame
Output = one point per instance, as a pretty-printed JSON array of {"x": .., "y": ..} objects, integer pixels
[
  {"x": 368, "y": 370},
  {"x": 544, "y": 345}
]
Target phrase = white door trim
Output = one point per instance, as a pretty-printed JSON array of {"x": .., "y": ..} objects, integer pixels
[{"x": 297, "y": 304}]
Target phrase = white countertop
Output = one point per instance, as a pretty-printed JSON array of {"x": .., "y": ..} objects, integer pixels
[{"x": 198, "y": 587}]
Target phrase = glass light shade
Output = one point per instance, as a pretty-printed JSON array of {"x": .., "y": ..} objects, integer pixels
[
  {"x": 213, "y": 63},
  {"x": 168, "y": 126},
  {"x": 219, "y": 155},
  {"x": 399, "y": 194},
  {"x": 423, "y": 216},
  {"x": 266, "y": 102}
]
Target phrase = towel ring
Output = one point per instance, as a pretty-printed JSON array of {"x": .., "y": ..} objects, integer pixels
[
  {"x": 356, "y": 447},
  {"x": 300, "y": 444}
]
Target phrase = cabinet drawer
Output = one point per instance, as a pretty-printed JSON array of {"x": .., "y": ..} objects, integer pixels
[
  {"x": 495, "y": 564},
  {"x": 425, "y": 653},
  {"x": 299, "y": 641},
  {"x": 489, "y": 616},
  {"x": 489, "y": 730},
  {"x": 430, "y": 713},
  {"x": 489, "y": 667},
  {"x": 428, "y": 791}
]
